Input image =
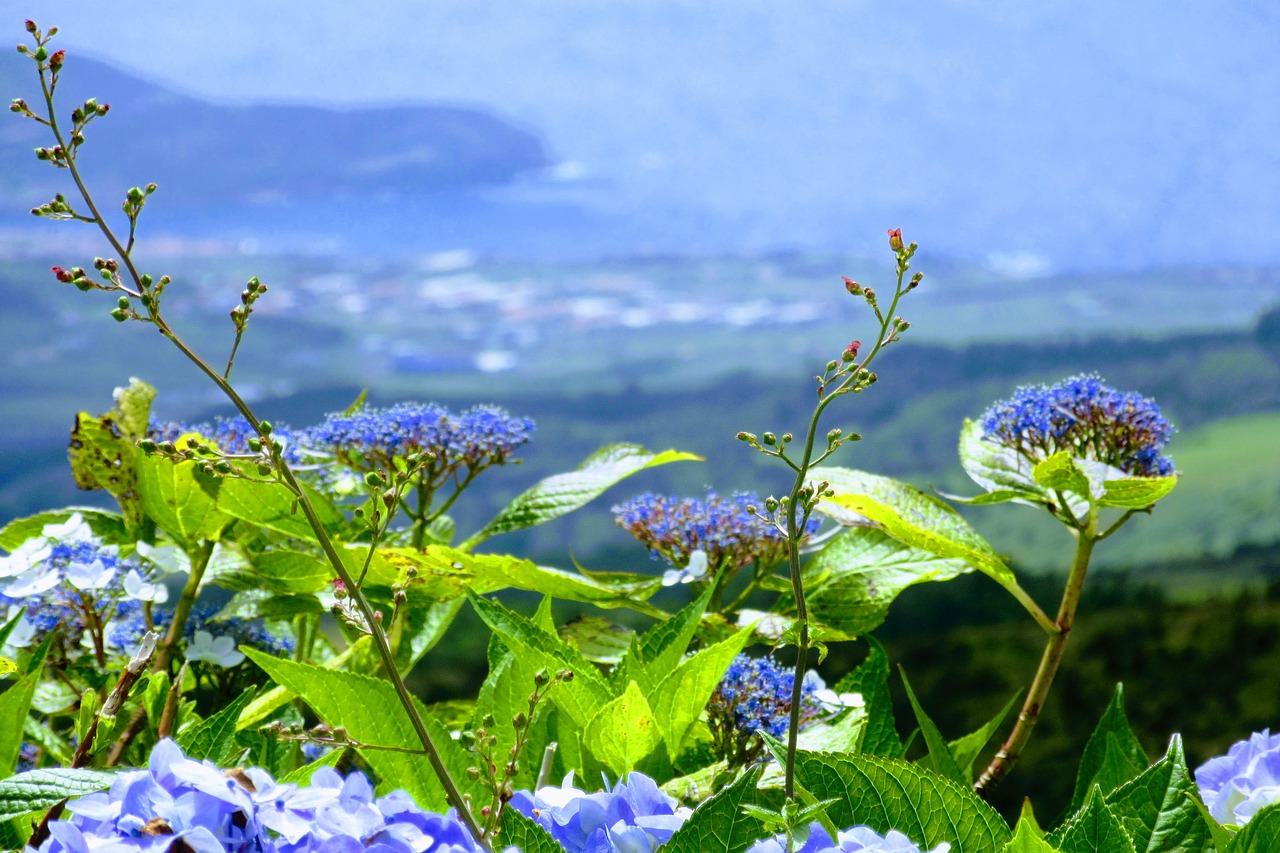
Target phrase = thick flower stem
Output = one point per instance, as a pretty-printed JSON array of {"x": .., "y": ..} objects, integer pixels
[{"x": 1012, "y": 748}]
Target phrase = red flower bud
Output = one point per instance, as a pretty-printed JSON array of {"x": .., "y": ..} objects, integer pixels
[
  {"x": 31, "y": 26},
  {"x": 852, "y": 286},
  {"x": 851, "y": 351},
  {"x": 62, "y": 275},
  {"x": 895, "y": 239},
  {"x": 55, "y": 61}
]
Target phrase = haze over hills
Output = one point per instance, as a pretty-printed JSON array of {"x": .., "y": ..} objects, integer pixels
[{"x": 1055, "y": 136}]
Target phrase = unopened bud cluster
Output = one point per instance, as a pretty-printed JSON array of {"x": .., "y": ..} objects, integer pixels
[{"x": 248, "y": 296}]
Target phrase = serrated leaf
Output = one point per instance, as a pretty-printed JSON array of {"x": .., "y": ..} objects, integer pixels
[
  {"x": 623, "y": 732},
  {"x": 720, "y": 825},
  {"x": 996, "y": 468},
  {"x": 562, "y": 493},
  {"x": 851, "y": 583},
  {"x": 15, "y": 703},
  {"x": 371, "y": 712},
  {"x": 682, "y": 696},
  {"x": 580, "y": 698},
  {"x": 302, "y": 776},
  {"x": 525, "y": 834},
  {"x": 661, "y": 648},
  {"x": 1260, "y": 835},
  {"x": 1026, "y": 839},
  {"x": 102, "y": 458},
  {"x": 259, "y": 709},
  {"x": 214, "y": 738},
  {"x": 940, "y": 758},
  {"x": 1136, "y": 492},
  {"x": 598, "y": 639},
  {"x": 39, "y": 789},
  {"x": 967, "y": 749},
  {"x": 1094, "y": 829},
  {"x": 287, "y": 571},
  {"x": 108, "y": 526},
  {"x": 179, "y": 499},
  {"x": 888, "y": 794},
  {"x": 271, "y": 505},
  {"x": 914, "y": 518},
  {"x": 871, "y": 680},
  {"x": 1112, "y": 755},
  {"x": 1157, "y": 809},
  {"x": 1060, "y": 473}
]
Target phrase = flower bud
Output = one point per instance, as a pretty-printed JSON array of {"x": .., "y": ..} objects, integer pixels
[
  {"x": 265, "y": 427},
  {"x": 103, "y": 109},
  {"x": 62, "y": 275},
  {"x": 895, "y": 239},
  {"x": 852, "y": 286},
  {"x": 31, "y": 26},
  {"x": 264, "y": 469},
  {"x": 55, "y": 61},
  {"x": 769, "y": 439},
  {"x": 851, "y": 351},
  {"x": 915, "y": 281}
]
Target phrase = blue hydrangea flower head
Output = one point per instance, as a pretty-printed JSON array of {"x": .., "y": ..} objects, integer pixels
[
  {"x": 1086, "y": 418},
  {"x": 859, "y": 838},
  {"x": 675, "y": 529},
  {"x": 1236, "y": 785},
  {"x": 634, "y": 816},
  {"x": 754, "y": 696}
]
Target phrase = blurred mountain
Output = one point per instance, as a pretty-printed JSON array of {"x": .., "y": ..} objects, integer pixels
[{"x": 205, "y": 154}]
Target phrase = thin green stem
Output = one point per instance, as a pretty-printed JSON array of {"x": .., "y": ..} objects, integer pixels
[
  {"x": 1012, "y": 748},
  {"x": 199, "y": 563}
]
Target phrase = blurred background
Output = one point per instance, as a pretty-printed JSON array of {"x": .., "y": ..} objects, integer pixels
[{"x": 630, "y": 222}]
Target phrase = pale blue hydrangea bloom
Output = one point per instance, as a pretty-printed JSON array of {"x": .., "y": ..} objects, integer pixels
[
  {"x": 859, "y": 838},
  {"x": 1236, "y": 785},
  {"x": 632, "y": 816}
]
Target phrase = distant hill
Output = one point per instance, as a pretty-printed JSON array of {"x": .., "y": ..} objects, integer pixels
[{"x": 205, "y": 154}]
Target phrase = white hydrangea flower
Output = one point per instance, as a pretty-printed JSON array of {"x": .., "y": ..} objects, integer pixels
[
  {"x": 220, "y": 651},
  {"x": 139, "y": 588}
]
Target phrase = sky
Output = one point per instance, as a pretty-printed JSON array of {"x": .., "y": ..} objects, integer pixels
[{"x": 1106, "y": 133}]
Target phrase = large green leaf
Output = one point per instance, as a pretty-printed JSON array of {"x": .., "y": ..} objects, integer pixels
[
  {"x": 1060, "y": 473},
  {"x": 562, "y": 493},
  {"x": 261, "y": 708},
  {"x": 525, "y": 835},
  {"x": 871, "y": 679},
  {"x": 271, "y": 505},
  {"x": 1027, "y": 840},
  {"x": 623, "y": 732},
  {"x": 850, "y": 584},
  {"x": 1112, "y": 755},
  {"x": 504, "y": 694},
  {"x": 215, "y": 738},
  {"x": 1136, "y": 492},
  {"x": 996, "y": 468},
  {"x": 967, "y": 749},
  {"x": 180, "y": 499},
  {"x": 682, "y": 696},
  {"x": 1158, "y": 809},
  {"x": 103, "y": 459},
  {"x": 1093, "y": 829},
  {"x": 371, "y": 712},
  {"x": 40, "y": 789},
  {"x": 15, "y": 703},
  {"x": 443, "y": 573},
  {"x": 720, "y": 825},
  {"x": 580, "y": 698},
  {"x": 108, "y": 526},
  {"x": 1260, "y": 835},
  {"x": 940, "y": 759},
  {"x": 914, "y": 518},
  {"x": 887, "y": 794},
  {"x": 425, "y": 626}
]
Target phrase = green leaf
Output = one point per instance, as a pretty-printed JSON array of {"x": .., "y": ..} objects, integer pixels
[
  {"x": 998, "y": 469},
  {"x": 302, "y": 776},
  {"x": 1136, "y": 492},
  {"x": 15, "y": 703},
  {"x": 525, "y": 834},
  {"x": 843, "y": 735},
  {"x": 215, "y": 738},
  {"x": 914, "y": 518},
  {"x": 1027, "y": 839},
  {"x": 108, "y": 526},
  {"x": 1158, "y": 809},
  {"x": 7, "y": 667},
  {"x": 682, "y": 696},
  {"x": 1112, "y": 755},
  {"x": 967, "y": 749},
  {"x": 720, "y": 825},
  {"x": 259, "y": 709},
  {"x": 871, "y": 679},
  {"x": 888, "y": 794},
  {"x": 660, "y": 649},
  {"x": 940, "y": 758},
  {"x": 1094, "y": 829},
  {"x": 179, "y": 499},
  {"x": 271, "y": 505},
  {"x": 371, "y": 712},
  {"x": 850, "y": 584},
  {"x": 562, "y": 493},
  {"x": 39, "y": 789},
  {"x": 290, "y": 572},
  {"x": 133, "y": 407},
  {"x": 598, "y": 639},
  {"x": 623, "y": 732},
  {"x": 1260, "y": 835},
  {"x": 581, "y": 698},
  {"x": 443, "y": 573},
  {"x": 425, "y": 626},
  {"x": 89, "y": 705},
  {"x": 1221, "y": 835},
  {"x": 505, "y": 693},
  {"x": 1060, "y": 473},
  {"x": 103, "y": 459}
]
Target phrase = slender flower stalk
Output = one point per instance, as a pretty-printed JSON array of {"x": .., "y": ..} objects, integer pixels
[{"x": 141, "y": 290}]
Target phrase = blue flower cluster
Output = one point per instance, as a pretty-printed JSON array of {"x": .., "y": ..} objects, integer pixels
[
  {"x": 372, "y": 437},
  {"x": 231, "y": 434},
  {"x": 1088, "y": 419},
  {"x": 633, "y": 816},
  {"x": 177, "y": 803},
  {"x": 131, "y": 624},
  {"x": 859, "y": 838},
  {"x": 754, "y": 696},
  {"x": 1236, "y": 785},
  {"x": 674, "y": 528}
]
